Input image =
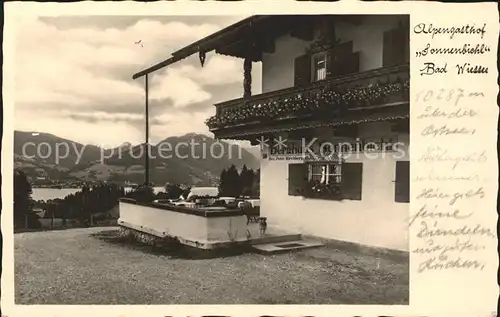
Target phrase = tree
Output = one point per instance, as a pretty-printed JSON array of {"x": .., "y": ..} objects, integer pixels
[
  {"x": 223, "y": 184},
  {"x": 186, "y": 191},
  {"x": 22, "y": 199},
  {"x": 255, "y": 192},
  {"x": 246, "y": 179},
  {"x": 173, "y": 191},
  {"x": 87, "y": 204},
  {"x": 233, "y": 182},
  {"x": 144, "y": 193}
]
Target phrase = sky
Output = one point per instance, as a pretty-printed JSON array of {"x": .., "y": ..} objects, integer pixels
[{"x": 74, "y": 77}]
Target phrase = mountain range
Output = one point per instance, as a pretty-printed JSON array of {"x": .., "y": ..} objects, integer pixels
[{"x": 43, "y": 156}]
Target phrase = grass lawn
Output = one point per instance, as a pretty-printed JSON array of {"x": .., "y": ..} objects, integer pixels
[{"x": 77, "y": 267}]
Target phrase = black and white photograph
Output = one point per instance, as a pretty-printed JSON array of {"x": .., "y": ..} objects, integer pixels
[{"x": 176, "y": 159}]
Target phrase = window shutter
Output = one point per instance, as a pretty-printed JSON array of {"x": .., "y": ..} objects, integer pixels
[
  {"x": 399, "y": 43},
  {"x": 302, "y": 70},
  {"x": 331, "y": 63},
  {"x": 344, "y": 66},
  {"x": 297, "y": 178},
  {"x": 352, "y": 180},
  {"x": 350, "y": 64},
  {"x": 402, "y": 188},
  {"x": 403, "y": 43},
  {"x": 387, "y": 49},
  {"x": 406, "y": 42},
  {"x": 396, "y": 46},
  {"x": 342, "y": 60}
]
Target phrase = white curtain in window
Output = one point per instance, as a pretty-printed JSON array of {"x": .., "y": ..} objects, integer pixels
[
  {"x": 321, "y": 74},
  {"x": 320, "y": 67},
  {"x": 323, "y": 175}
]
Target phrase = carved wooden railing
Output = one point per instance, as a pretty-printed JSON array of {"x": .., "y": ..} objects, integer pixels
[{"x": 382, "y": 86}]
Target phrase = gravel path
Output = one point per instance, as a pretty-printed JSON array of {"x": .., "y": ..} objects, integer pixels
[{"x": 75, "y": 267}]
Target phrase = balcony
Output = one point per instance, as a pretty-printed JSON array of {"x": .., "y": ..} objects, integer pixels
[{"x": 359, "y": 94}]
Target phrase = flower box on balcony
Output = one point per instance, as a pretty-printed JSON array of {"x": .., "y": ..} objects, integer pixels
[{"x": 326, "y": 99}]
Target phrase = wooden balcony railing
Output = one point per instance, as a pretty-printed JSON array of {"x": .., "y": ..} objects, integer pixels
[{"x": 382, "y": 86}]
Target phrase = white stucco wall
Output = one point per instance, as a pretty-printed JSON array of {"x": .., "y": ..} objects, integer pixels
[
  {"x": 377, "y": 220},
  {"x": 220, "y": 229},
  {"x": 185, "y": 226},
  {"x": 278, "y": 67}
]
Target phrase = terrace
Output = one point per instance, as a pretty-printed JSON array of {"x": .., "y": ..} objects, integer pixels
[{"x": 80, "y": 267}]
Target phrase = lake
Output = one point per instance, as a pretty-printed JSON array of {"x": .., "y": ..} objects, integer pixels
[{"x": 54, "y": 193}]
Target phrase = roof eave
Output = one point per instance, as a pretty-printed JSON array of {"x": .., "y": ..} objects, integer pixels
[{"x": 205, "y": 44}]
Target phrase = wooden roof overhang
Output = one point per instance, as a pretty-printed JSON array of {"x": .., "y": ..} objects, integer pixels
[
  {"x": 247, "y": 38},
  {"x": 250, "y": 37}
]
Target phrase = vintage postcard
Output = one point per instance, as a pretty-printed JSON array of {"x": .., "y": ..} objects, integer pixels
[{"x": 258, "y": 158}]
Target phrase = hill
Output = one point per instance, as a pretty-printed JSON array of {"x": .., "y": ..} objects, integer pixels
[{"x": 191, "y": 158}]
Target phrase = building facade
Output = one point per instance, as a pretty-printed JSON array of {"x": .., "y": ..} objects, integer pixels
[
  {"x": 332, "y": 121},
  {"x": 340, "y": 82}
]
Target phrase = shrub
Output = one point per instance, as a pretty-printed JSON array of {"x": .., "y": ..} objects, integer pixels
[{"x": 144, "y": 193}]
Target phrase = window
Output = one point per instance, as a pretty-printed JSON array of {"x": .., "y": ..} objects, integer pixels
[
  {"x": 325, "y": 173},
  {"x": 319, "y": 69},
  {"x": 338, "y": 61},
  {"x": 326, "y": 180},
  {"x": 402, "y": 182}
]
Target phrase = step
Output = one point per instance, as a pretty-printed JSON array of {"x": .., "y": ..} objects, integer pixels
[
  {"x": 270, "y": 239},
  {"x": 287, "y": 246}
]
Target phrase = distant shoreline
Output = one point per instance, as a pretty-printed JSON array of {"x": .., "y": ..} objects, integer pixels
[
  {"x": 77, "y": 187},
  {"x": 66, "y": 186},
  {"x": 63, "y": 187}
]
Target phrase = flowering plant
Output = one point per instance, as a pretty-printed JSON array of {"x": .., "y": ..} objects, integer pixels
[
  {"x": 328, "y": 101},
  {"x": 316, "y": 189},
  {"x": 143, "y": 193}
]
